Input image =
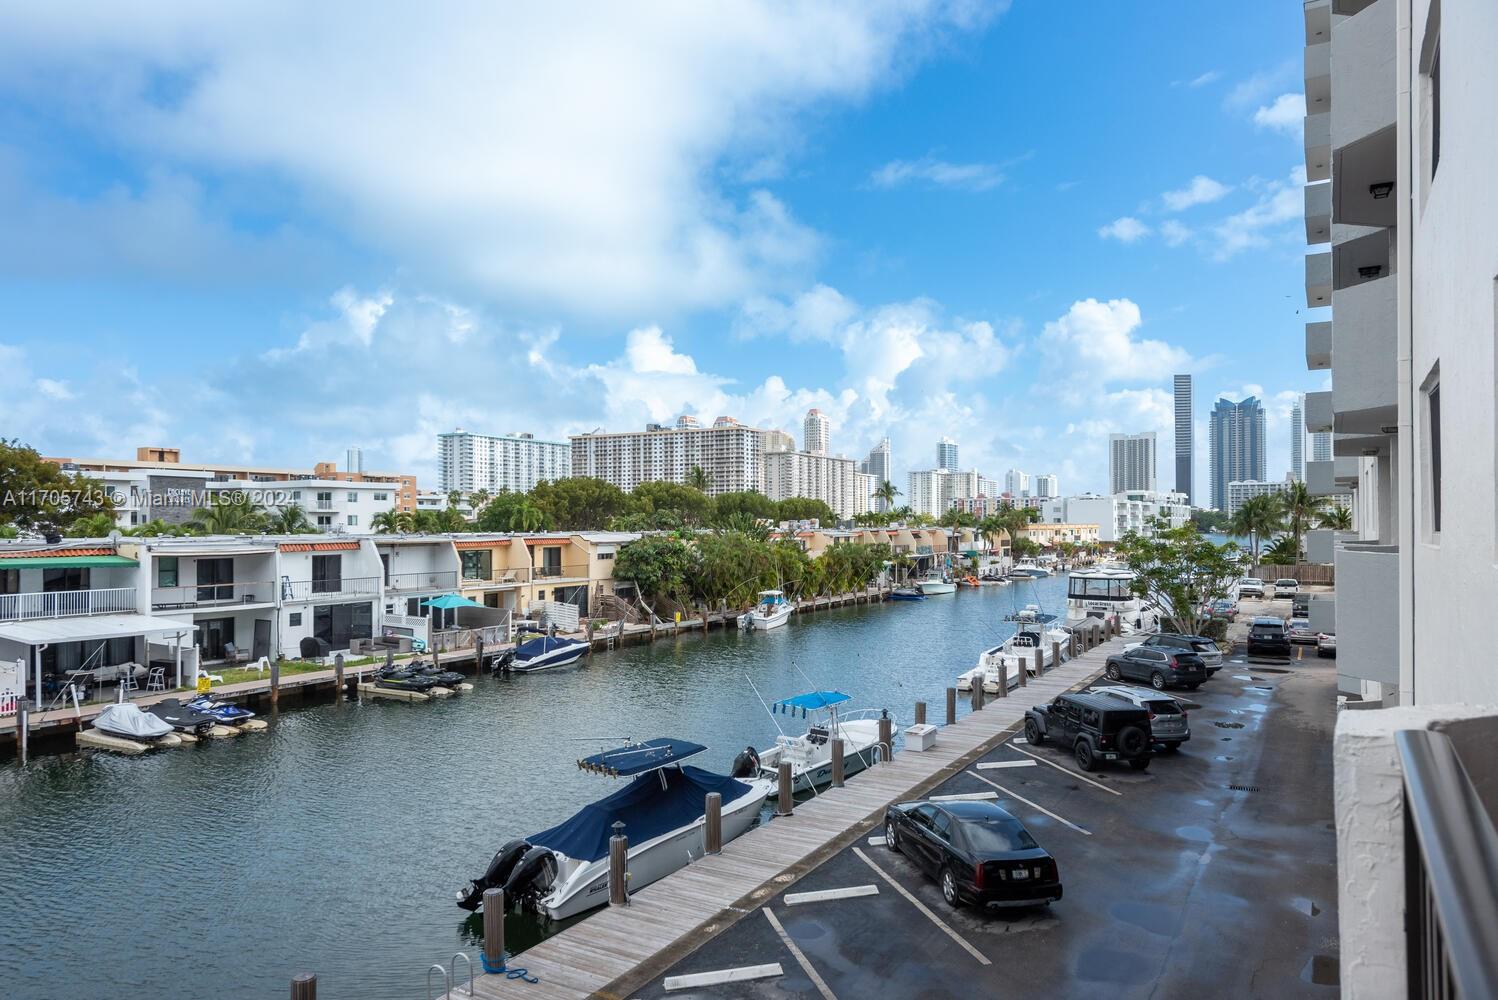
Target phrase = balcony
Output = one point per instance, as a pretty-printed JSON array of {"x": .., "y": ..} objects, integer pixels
[
  {"x": 67, "y": 604},
  {"x": 322, "y": 590},
  {"x": 1322, "y": 544},
  {"x": 1318, "y": 412},
  {"x": 1319, "y": 279},
  {"x": 561, "y": 572},
  {"x": 1318, "y": 17},
  {"x": 497, "y": 578},
  {"x": 1318, "y": 207},
  {"x": 1368, "y": 612},
  {"x": 212, "y": 595},
  {"x": 1318, "y": 144},
  {"x": 1363, "y": 48},
  {"x": 432, "y": 580},
  {"x": 1364, "y": 347},
  {"x": 1318, "y": 77},
  {"x": 1318, "y": 346}
]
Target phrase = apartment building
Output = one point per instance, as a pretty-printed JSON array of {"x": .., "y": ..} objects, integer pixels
[
  {"x": 729, "y": 452},
  {"x": 1185, "y": 436},
  {"x": 1240, "y": 490},
  {"x": 1131, "y": 461},
  {"x": 932, "y": 491},
  {"x": 817, "y": 432},
  {"x": 1048, "y": 535},
  {"x": 499, "y": 462},
  {"x": 1047, "y": 486},
  {"x": 1119, "y": 513},
  {"x": 832, "y": 479},
  {"x": 879, "y": 465},
  {"x": 1236, "y": 446}
]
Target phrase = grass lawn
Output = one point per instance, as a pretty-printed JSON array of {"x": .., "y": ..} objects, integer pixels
[{"x": 235, "y": 675}]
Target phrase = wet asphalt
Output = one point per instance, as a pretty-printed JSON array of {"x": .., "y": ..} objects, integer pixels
[{"x": 1211, "y": 874}]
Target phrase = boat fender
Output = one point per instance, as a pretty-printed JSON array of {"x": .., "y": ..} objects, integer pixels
[
  {"x": 533, "y": 874},
  {"x": 746, "y": 764}
]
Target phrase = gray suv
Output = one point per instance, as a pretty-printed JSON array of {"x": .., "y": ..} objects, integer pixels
[
  {"x": 1198, "y": 644},
  {"x": 1169, "y": 723}
]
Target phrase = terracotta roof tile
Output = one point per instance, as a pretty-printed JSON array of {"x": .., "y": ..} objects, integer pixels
[
  {"x": 319, "y": 546},
  {"x": 58, "y": 553}
]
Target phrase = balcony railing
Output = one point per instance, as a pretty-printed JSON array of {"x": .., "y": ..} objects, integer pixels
[
  {"x": 559, "y": 572},
  {"x": 212, "y": 594},
  {"x": 67, "y": 604},
  {"x": 497, "y": 577},
  {"x": 313, "y": 590},
  {"x": 1450, "y": 873},
  {"x": 445, "y": 579}
]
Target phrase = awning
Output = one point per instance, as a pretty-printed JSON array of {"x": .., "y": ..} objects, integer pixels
[
  {"x": 449, "y": 601},
  {"x": 319, "y": 546},
  {"x": 91, "y": 627},
  {"x": 65, "y": 562},
  {"x": 810, "y": 702}
]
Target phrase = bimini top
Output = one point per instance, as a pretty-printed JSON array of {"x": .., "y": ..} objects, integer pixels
[
  {"x": 1032, "y": 617},
  {"x": 640, "y": 758},
  {"x": 647, "y": 809},
  {"x": 810, "y": 702}
]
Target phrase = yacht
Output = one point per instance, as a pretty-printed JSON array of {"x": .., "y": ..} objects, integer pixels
[
  {"x": 1034, "y": 630},
  {"x": 1028, "y": 569},
  {"x": 935, "y": 583},
  {"x": 1106, "y": 590},
  {"x": 772, "y": 611},
  {"x": 810, "y": 754},
  {"x": 564, "y": 871}
]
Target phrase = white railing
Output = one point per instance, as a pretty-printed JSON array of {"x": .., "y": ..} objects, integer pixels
[
  {"x": 198, "y": 595},
  {"x": 445, "y": 579},
  {"x": 67, "y": 604},
  {"x": 311, "y": 590}
]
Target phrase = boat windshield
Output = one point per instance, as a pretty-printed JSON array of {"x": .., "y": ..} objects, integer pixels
[{"x": 1098, "y": 588}]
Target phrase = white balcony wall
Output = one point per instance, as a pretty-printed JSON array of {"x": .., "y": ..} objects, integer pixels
[
  {"x": 1318, "y": 346},
  {"x": 1319, "y": 279},
  {"x": 1363, "y": 49},
  {"x": 1367, "y": 615},
  {"x": 1364, "y": 349},
  {"x": 1318, "y": 411},
  {"x": 1318, "y": 146}
]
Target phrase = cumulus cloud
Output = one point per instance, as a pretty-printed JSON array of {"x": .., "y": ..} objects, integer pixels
[
  {"x": 1210, "y": 76},
  {"x": 1201, "y": 190},
  {"x": 1099, "y": 341},
  {"x": 1174, "y": 233},
  {"x": 1286, "y": 115},
  {"x": 1279, "y": 203},
  {"x": 1126, "y": 230},
  {"x": 938, "y": 173}
]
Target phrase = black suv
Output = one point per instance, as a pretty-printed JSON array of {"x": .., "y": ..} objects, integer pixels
[
  {"x": 1094, "y": 727},
  {"x": 1162, "y": 668},
  {"x": 1268, "y": 636}
]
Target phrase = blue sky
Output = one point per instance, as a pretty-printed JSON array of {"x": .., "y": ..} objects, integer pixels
[{"x": 268, "y": 233}]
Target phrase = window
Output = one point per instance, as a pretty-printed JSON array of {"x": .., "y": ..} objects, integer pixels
[
  {"x": 353, "y": 497},
  {"x": 353, "y": 520},
  {"x": 1435, "y": 110},
  {"x": 70, "y": 579},
  {"x": 325, "y": 520},
  {"x": 336, "y": 624},
  {"x": 215, "y": 579},
  {"x": 166, "y": 571},
  {"x": 10, "y": 581},
  {"x": 294, "y": 619},
  {"x": 610, "y": 555},
  {"x": 382, "y": 496},
  {"x": 327, "y": 574},
  {"x": 1433, "y": 460},
  {"x": 477, "y": 564}
]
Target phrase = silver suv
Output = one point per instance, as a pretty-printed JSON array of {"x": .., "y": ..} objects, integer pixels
[{"x": 1169, "y": 724}]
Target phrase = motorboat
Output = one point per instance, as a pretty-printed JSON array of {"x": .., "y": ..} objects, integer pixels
[
  {"x": 810, "y": 753},
  {"x": 936, "y": 584},
  {"x": 1104, "y": 591},
  {"x": 1028, "y": 569},
  {"x": 223, "y": 712},
  {"x": 564, "y": 871},
  {"x": 181, "y": 717},
  {"x": 906, "y": 594},
  {"x": 772, "y": 611},
  {"x": 1034, "y": 629},
  {"x": 547, "y": 651},
  {"x": 127, "y": 721}
]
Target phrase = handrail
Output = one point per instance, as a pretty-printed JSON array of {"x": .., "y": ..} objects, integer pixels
[
  {"x": 67, "y": 603},
  {"x": 1451, "y": 872}
]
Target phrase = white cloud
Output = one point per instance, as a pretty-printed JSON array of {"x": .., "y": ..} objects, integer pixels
[
  {"x": 1097, "y": 340},
  {"x": 1173, "y": 233},
  {"x": 1285, "y": 115},
  {"x": 1126, "y": 230},
  {"x": 940, "y": 173},
  {"x": 1201, "y": 191},
  {"x": 1255, "y": 89},
  {"x": 53, "y": 389},
  {"x": 1210, "y": 76},
  {"x": 1279, "y": 204},
  {"x": 511, "y": 152}
]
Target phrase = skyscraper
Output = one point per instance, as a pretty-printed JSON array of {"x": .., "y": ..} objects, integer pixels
[
  {"x": 1321, "y": 446},
  {"x": 1237, "y": 446},
  {"x": 1185, "y": 437},
  {"x": 946, "y": 454},
  {"x": 1017, "y": 483},
  {"x": 879, "y": 465},
  {"x": 1047, "y": 486},
  {"x": 817, "y": 431},
  {"x": 1131, "y": 462},
  {"x": 1298, "y": 440}
]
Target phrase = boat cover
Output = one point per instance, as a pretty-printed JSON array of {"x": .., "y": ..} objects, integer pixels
[
  {"x": 637, "y": 758},
  {"x": 645, "y": 808},
  {"x": 129, "y": 721},
  {"x": 533, "y": 648},
  {"x": 810, "y": 702}
]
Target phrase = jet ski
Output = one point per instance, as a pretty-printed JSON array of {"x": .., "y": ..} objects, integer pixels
[
  {"x": 182, "y": 718},
  {"x": 126, "y": 720},
  {"x": 404, "y": 680},
  {"x": 222, "y": 711},
  {"x": 446, "y": 678}
]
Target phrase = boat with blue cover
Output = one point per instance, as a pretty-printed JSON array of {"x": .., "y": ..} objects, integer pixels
[
  {"x": 545, "y": 652},
  {"x": 906, "y": 594},
  {"x": 564, "y": 871},
  {"x": 810, "y": 753}
]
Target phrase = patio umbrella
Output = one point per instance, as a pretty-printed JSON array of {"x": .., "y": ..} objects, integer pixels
[{"x": 450, "y": 601}]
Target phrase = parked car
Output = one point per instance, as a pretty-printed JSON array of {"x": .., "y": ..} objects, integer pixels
[
  {"x": 1161, "y": 666},
  {"x": 1300, "y": 631},
  {"x": 1250, "y": 586},
  {"x": 1326, "y": 644},
  {"x": 1225, "y": 609},
  {"x": 977, "y": 852},
  {"x": 1199, "y": 644},
  {"x": 1286, "y": 587},
  {"x": 1169, "y": 723},
  {"x": 1095, "y": 728},
  {"x": 1268, "y": 636}
]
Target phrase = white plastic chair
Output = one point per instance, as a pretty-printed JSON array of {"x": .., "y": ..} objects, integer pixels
[{"x": 156, "y": 679}]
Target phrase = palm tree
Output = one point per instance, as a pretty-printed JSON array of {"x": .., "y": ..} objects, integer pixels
[
  {"x": 700, "y": 479},
  {"x": 526, "y": 517},
  {"x": 1256, "y": 518},
  {"x": 290, "y": 520},
  {"x": 1336, "y": 518},
  {"x": 94, "y": 526},
  {"x": 479, "y": 499},
  {"x": 388, "y": 522},
  {"x": 224, "y": 516},
  {"x": 1299, "y": 507},
  {"x": 886, "y": 493},
  {"x": 1282, "y": 553}
]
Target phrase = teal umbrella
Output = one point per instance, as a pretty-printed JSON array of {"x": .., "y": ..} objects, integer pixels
[{"x": 449, "y": 601}]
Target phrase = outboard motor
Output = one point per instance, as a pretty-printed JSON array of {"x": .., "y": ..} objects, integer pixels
[
  {"x": 495, "y": 876},
  {"x": 503, "y": 660},
  {"x": 746, "y": 764},
  {"x": 532, "y": 875}
]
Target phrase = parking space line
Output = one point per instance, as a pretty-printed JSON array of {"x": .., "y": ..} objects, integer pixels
[
  {"x": 993, "y": 765},
  {"x": 938, "y": 921},
  {"x": 723, "y": 976},
  {"x": 794, "y": 898},
  {"x": 876, "y": 841},
  {"x": 806, "y": 966},
  {"x": 1074, "y": 774},
  {"x": 1033, "y": 805}
]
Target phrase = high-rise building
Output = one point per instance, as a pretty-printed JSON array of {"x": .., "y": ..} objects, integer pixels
[
  {"x": 831, "y": 479},
  {"x": 354, "y": 462},
  {"x": 729, "y": 452},
  {"x": 1237, "y": 446},
  {"x": 1321, "y": 446},
  {"x": 495, "y": 462},
  {"x": 1298, "y": 440},
  {"x": 1185, "y": 437},
  {"x": 879, "y": 464},
  {"x": 932, "y": 491},
  {"x": 817, "y": 431},
  {"x": 1240, "y": 490},
  {"x": 1131, "y": 461},
  {"x": 774, "y": 440},
  {"x": 1017, "y": 483},
  {"x": 946, "y": 453},
  {"x": 1047, "y": 486}
]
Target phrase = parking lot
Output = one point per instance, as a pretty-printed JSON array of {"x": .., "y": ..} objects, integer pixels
[{"x": 1211, "y": 874}]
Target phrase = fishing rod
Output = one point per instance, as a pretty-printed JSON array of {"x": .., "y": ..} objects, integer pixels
[{"x": 762, "y": 701}]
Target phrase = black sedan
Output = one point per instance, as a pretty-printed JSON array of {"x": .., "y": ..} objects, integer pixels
[{"x": 976, "y": 851}]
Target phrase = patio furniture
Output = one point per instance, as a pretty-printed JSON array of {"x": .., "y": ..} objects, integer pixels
[
  {"x": 234, "y": 654},
  {"x": 127, "y": 677},
  {"x": 156, "y": 679}
]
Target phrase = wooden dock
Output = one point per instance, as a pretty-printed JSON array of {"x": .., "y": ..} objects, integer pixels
[{"x": 619, "y": 949}]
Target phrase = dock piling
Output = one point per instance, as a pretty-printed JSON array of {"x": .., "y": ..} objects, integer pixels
[
  {"x": 275, "y": 684},
  {"x": 712, "y": 833},
  {"x": 618, "y": 866},
  {"x": 920, "y": 713},
  {"x": 975, "y": 698},
  {"x": 951, "y": 706},
  {"x": 887, "y": 736},
  {"x": 1039, "y": 667},
  {"x": 837, "y": 762},
  {"x": 338, "y": 677},
  {"x": 304, "y": 986},
  {"x": 1055, "y": 654},
  {"x": 478, "y": 654},
  {"x": 494, "y": 929},
  {"x": 1003, "y": 680},
  {"x": 23, "y": 731},
  {"x": 783, "y": 805}
]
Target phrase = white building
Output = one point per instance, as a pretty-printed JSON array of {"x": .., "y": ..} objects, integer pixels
[
  {"x": 1017, "y": 483},
  {"x": 729, "y": 452},
  {"x": 1297, "y": 441},
  {"x": 492, "y": 462},
  {"x": 1131, "y": 461},
  {"x": 879, "y": 464},
  {"x": 932, "y": 491},
  {"x": 832, "y": 479},
  {"x": 1131, "y": 510},
  {"x": 1240, "y": 490},
  {"x": 332, "y": 506},
  {"x": 817, "y": 432},
  {"x": 1047, "y": 486},
  {"x": 946, "y": 454}
]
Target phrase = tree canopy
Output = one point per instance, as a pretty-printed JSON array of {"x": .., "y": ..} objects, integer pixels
[
  {"x": 37, "y": 496},
  {"x": 1180, "y": 570}
]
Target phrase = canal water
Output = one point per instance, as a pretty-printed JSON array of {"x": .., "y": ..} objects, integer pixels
[{"x": 334, "y": 841}]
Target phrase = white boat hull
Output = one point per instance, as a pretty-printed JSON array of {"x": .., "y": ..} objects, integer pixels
[
  {"x": 554, "y": 658},
  {"x": 929, "y": 587},
  {"x": 758, "y": 621},
  {"x": 859, "y": 737},
  {"x": 587, "y": 886}
]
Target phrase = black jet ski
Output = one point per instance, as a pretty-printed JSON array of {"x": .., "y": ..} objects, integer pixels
[
  {"x": 446, "y": 678},
  {"x": 183, "y": 718},
  {"x": 404, "y": 680}
]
